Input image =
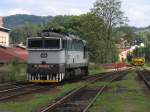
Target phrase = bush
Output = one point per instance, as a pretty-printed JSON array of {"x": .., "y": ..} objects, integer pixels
[
  {"x": 13, "y": 72},
  {"x": 94, "y": 69}
]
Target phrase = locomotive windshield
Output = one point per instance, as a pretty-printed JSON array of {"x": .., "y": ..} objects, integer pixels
[
  {"x": 52, "y": 43},
  {"x": 32, "y": 43},
  {"x": 48, "y": 43}
]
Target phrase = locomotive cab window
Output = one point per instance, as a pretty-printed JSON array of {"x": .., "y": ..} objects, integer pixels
[
  {"x": 36, "y": 43},
  {"x": 52, "y": 43}
]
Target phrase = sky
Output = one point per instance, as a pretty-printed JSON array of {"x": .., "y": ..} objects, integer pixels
[{"x": 138, "y": 11}]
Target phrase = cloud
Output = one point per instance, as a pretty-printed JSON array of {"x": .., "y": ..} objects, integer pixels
[
  {"x": 45, "y": 7},
  {"x": 137, "y": 11},
  {"x": 63, "y": 7},
  {"x": 75, "y": 12},
  {"x": 50, "y": 11},
  {"x": 54, "y": 11},
  {"x": 18, "y": 11}
]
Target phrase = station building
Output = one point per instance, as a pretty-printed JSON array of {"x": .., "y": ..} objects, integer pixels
[
  {"x": 10, "y": 52},
  {"x": 4, "y": 34}
]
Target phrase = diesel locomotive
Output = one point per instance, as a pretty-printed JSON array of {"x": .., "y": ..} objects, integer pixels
[
  {"x": 54, "y": 57},
  {"x": 138, "y": 61}
]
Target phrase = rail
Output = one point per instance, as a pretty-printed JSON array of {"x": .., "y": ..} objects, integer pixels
[{"x": 60, "y": 104}]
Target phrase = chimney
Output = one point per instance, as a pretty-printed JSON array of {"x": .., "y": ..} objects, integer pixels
[{"x": 1, "y": 21}]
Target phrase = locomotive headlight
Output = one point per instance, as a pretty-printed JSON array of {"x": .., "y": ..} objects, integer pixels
[
  {"x": 51, "y": 66},
  {"x": 35, "y": 66}
]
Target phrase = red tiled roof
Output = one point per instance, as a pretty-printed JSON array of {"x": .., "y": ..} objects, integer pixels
[{"x": 8, "y": 54}]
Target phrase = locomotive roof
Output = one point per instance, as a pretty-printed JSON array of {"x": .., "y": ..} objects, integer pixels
[{"x": 64, "y": 36}]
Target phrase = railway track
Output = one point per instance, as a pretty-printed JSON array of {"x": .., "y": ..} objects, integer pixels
[
  {"x": 103, "y": 76},
  {"x": 18, "y": 91},
  {"x": 10, "y": 85},
  {"x": 81, "y": 99},
  {"x": 6, "y": 84},
  {"x": 12, "y": 90},
  {"x": 9, "y": 91},
  {"x": 145, "y": 76}
]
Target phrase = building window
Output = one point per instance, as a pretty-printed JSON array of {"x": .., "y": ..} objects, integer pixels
[{"x": 2, "y": 40}]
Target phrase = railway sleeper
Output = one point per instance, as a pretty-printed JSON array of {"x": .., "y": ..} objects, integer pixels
[{"x": 78, "y": 102}]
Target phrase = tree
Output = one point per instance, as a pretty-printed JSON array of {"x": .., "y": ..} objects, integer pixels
[
  {"x": 139, "y": 52},
  {"x": 92, "y": 29},
  {"x": 128, "y": 32},
  {"x": 147, "y": 53},
  {"x": 87, "y": 26},
  {"x": 21, "y": 33},
  {"x": 69, "y": 24},
  {"x": 110, "y": 12}
]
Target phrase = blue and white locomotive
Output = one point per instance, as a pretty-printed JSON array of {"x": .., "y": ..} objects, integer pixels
[{"x": 54, "y": 57}]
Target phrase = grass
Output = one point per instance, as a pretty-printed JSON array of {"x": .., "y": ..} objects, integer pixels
[
  {"x": 96, "y": 69},
  {"x": 146, "y": 67},
  {"x": 38, "y": 100},
  {"x": 13, "y": 72},
  {"x": 129, "y": 83},
  {"x": 130, "y": 99},
  {"x": 17, "y": 72}
]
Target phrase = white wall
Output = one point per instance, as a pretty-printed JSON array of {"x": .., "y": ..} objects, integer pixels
[{"x": 4, "y": 38}]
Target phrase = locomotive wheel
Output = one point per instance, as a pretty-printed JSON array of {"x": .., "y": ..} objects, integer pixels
[{"x": 84, "y": 71}]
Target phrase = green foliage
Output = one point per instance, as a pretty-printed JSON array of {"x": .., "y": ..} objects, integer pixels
[
  {"x": 14, "y": 21},
  {"x": 127, "y": 33},
  {"x": 92, "y": 29},
  {"x": 20, "y": 34},
  {"x": 139, "y": 52},
  {"x": 122, "y": 96},
  {"x": 95, "y": 69},
  {"x": 129, "y": 57},
  {"x": 110, "y": 12},
  {"x": 144, "y": 34},
  {"x": 68, "y": 24},
  {"x": 97, "y": 28},
  {"x": 38, "y": 100},
  {"x": 88, "y": 26},
  {"x": 13, "y": 72},
  {"x": 147, "y": 53}
]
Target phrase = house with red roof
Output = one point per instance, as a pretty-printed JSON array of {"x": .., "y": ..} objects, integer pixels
[{"x": 7, "y": 52}]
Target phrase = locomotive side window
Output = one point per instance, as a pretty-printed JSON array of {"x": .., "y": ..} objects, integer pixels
[
  {"x": 52, "y": 43},
  {"x": 80, "y": 46},
  {"x": 85, "y": 52},
  {"x": 64, "y": 44},
  {"x": 69, "y": 45},
  {"x": 35, "y": 43},
  {"x": 77, "y": 45}
]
